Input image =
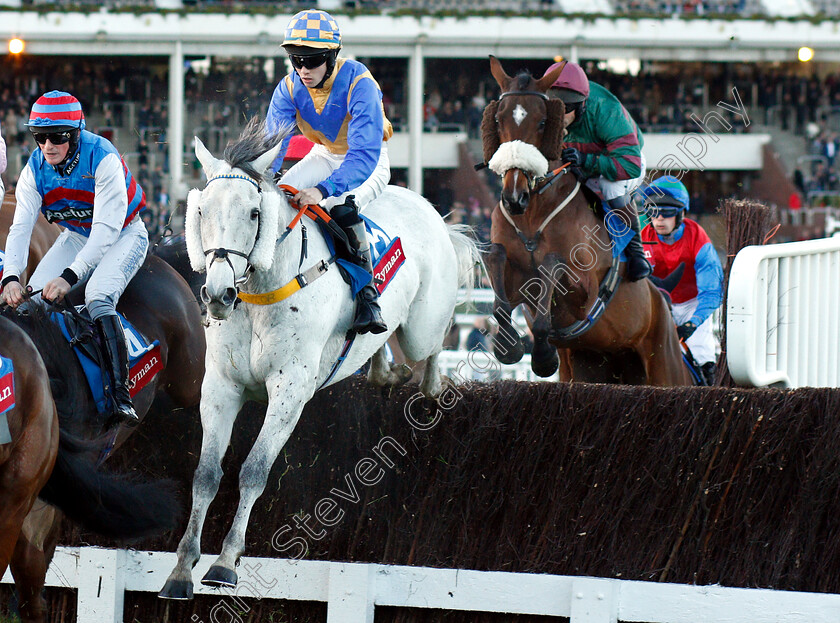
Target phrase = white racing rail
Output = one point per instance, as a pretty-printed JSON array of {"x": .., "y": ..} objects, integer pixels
[
  {"x": 783, "y": 315},
  {"x": 352, "y": 591}
]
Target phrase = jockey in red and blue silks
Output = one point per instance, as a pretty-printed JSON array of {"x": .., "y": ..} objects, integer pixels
[
  {"x": 336, "y": 104},
  {"x": 671, "y": 239},
  {"x": 78, "y": 180}
]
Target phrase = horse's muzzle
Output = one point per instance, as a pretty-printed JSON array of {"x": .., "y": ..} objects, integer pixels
[
  {"x": 515, "y": 203},
  {"x": 226, "y": 300}
]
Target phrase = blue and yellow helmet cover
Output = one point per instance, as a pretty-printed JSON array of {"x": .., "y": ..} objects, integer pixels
[{"x": 313, "y": 29}]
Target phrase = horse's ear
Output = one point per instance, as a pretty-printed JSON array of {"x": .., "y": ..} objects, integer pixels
[
  {"x": 502, "y": 79},
  {"x": 207, "y": 160},
  {"x": 552, "y": 140},
  {"x": 262, "y": 163},
  {"x": 544, "y": 83},
  {"x": 192, "y": 232},
  {"x": 490, "y": 130},
  {"x": 262, "y": 255}
]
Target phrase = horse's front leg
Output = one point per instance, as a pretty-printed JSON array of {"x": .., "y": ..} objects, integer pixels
[
  {"x": 507, "y": 345},
  {"x": 539, "y": 293},
  {"x": 287, "y": 394},
  {"x": 221, "y": 400}
]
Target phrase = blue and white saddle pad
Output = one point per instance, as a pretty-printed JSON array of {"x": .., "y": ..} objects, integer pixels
[
  {"x": 386, "y": 255},
  {"x": 7, "y": 397},
  {"x": 144, "y": 361}
]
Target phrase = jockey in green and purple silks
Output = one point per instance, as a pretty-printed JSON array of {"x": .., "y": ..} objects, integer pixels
[
  {"x": 605, "y": 145},
  {"x": 335, "y": 103}
]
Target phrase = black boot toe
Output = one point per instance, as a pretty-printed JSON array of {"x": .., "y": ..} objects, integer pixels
[{"x": 638, "y": 268}]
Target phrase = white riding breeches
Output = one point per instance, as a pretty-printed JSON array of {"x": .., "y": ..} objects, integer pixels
[
  {"x": 702, "y": 342},
  {"x": 319, "y": 164},
  {"x": 110, "y": 278},
  {"x": 611, "y": 190}
]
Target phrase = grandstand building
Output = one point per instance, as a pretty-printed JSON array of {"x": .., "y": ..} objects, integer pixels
[{"x": 715, "y": 84}]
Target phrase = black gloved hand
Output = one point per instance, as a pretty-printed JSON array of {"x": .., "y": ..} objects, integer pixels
[
  {"x": 686, "y": 330},
  {"x": 573, "y": 156}
]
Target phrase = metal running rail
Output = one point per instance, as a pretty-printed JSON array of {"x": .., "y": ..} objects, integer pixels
[{"x": 783, "y": 315}]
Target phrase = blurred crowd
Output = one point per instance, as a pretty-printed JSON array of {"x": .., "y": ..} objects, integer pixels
[
  {"x": 659, "y": 7},
  {"x": 687, "y": 7},
  {"x": 125, "y": 100}
]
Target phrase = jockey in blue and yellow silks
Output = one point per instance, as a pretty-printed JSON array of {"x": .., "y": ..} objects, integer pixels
[
  {"x": 78, "y": 180},
  {"x": 335, "y": 103}
]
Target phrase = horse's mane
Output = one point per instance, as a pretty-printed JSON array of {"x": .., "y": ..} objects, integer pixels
[
  {"x": 69, "y": 387},
  {"x": 253, "y": 142}
]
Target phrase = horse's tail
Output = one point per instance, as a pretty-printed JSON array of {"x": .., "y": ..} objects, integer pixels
[
  {"x": 469, "y": 255},
  {"x": 113, "y": 505}
]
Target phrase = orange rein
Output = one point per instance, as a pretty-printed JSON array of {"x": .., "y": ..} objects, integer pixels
[
  {"x": 552, "y": 176},
  {"x": 313, "y": 211}
]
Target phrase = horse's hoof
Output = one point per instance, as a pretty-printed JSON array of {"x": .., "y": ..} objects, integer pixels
[
  {"x": 181, "y": 590},
  {"x": 545, "y": 366},
  {"x": 508, "y": 353},
  {"x": 220, "y": 577},
  {"x": 401, "y": 373}
]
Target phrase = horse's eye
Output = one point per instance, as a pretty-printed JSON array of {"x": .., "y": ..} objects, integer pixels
[
  {"x": 255, "y": 214},
  {"x": 542, "y": 124}
]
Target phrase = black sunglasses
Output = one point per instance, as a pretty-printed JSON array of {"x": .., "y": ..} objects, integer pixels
[
  {"x": 56, "y": 138},
  {"x": 653, "y": 212},
  {"x": 310, "y": 62}
]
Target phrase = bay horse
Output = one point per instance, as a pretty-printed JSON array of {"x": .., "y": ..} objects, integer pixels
[
  {"x": 43, "y": 459},
  {"x": 283, "y": 351},
  {"x": 551, "y": 252},
  {"x": 43, "y": 234},
  {"x": 160, "y": 305}
]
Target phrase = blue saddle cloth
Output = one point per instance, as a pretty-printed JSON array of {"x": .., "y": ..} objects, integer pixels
[
  {"x": 381, "y": 246},
  {"x": 143, "y": 359},
  {"x": 618, "y": 232}
]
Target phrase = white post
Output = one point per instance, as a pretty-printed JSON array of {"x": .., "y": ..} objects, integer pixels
[
  {"x": 101, "y": 585},
  {"x": 351, "y": 593},
  {"x": 594, "y": 600},
  {"x": 175, "y": 131},
  {"x": 415, "y": 118}
]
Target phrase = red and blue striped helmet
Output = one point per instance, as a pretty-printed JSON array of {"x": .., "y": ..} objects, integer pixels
[{"x": 57, "y": 110}]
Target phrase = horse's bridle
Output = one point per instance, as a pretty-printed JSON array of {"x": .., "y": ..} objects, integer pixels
[
  {"x": 532, "y": 181},
  {"x": 222, "y": 253}
]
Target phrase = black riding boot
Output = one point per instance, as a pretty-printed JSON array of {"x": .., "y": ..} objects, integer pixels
[
  {"x": 709, "y": 370},
  {"x": 115, "y": 352},
  {"x": 637, "y": 266},
  {"x": 368, "y": 313}
]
